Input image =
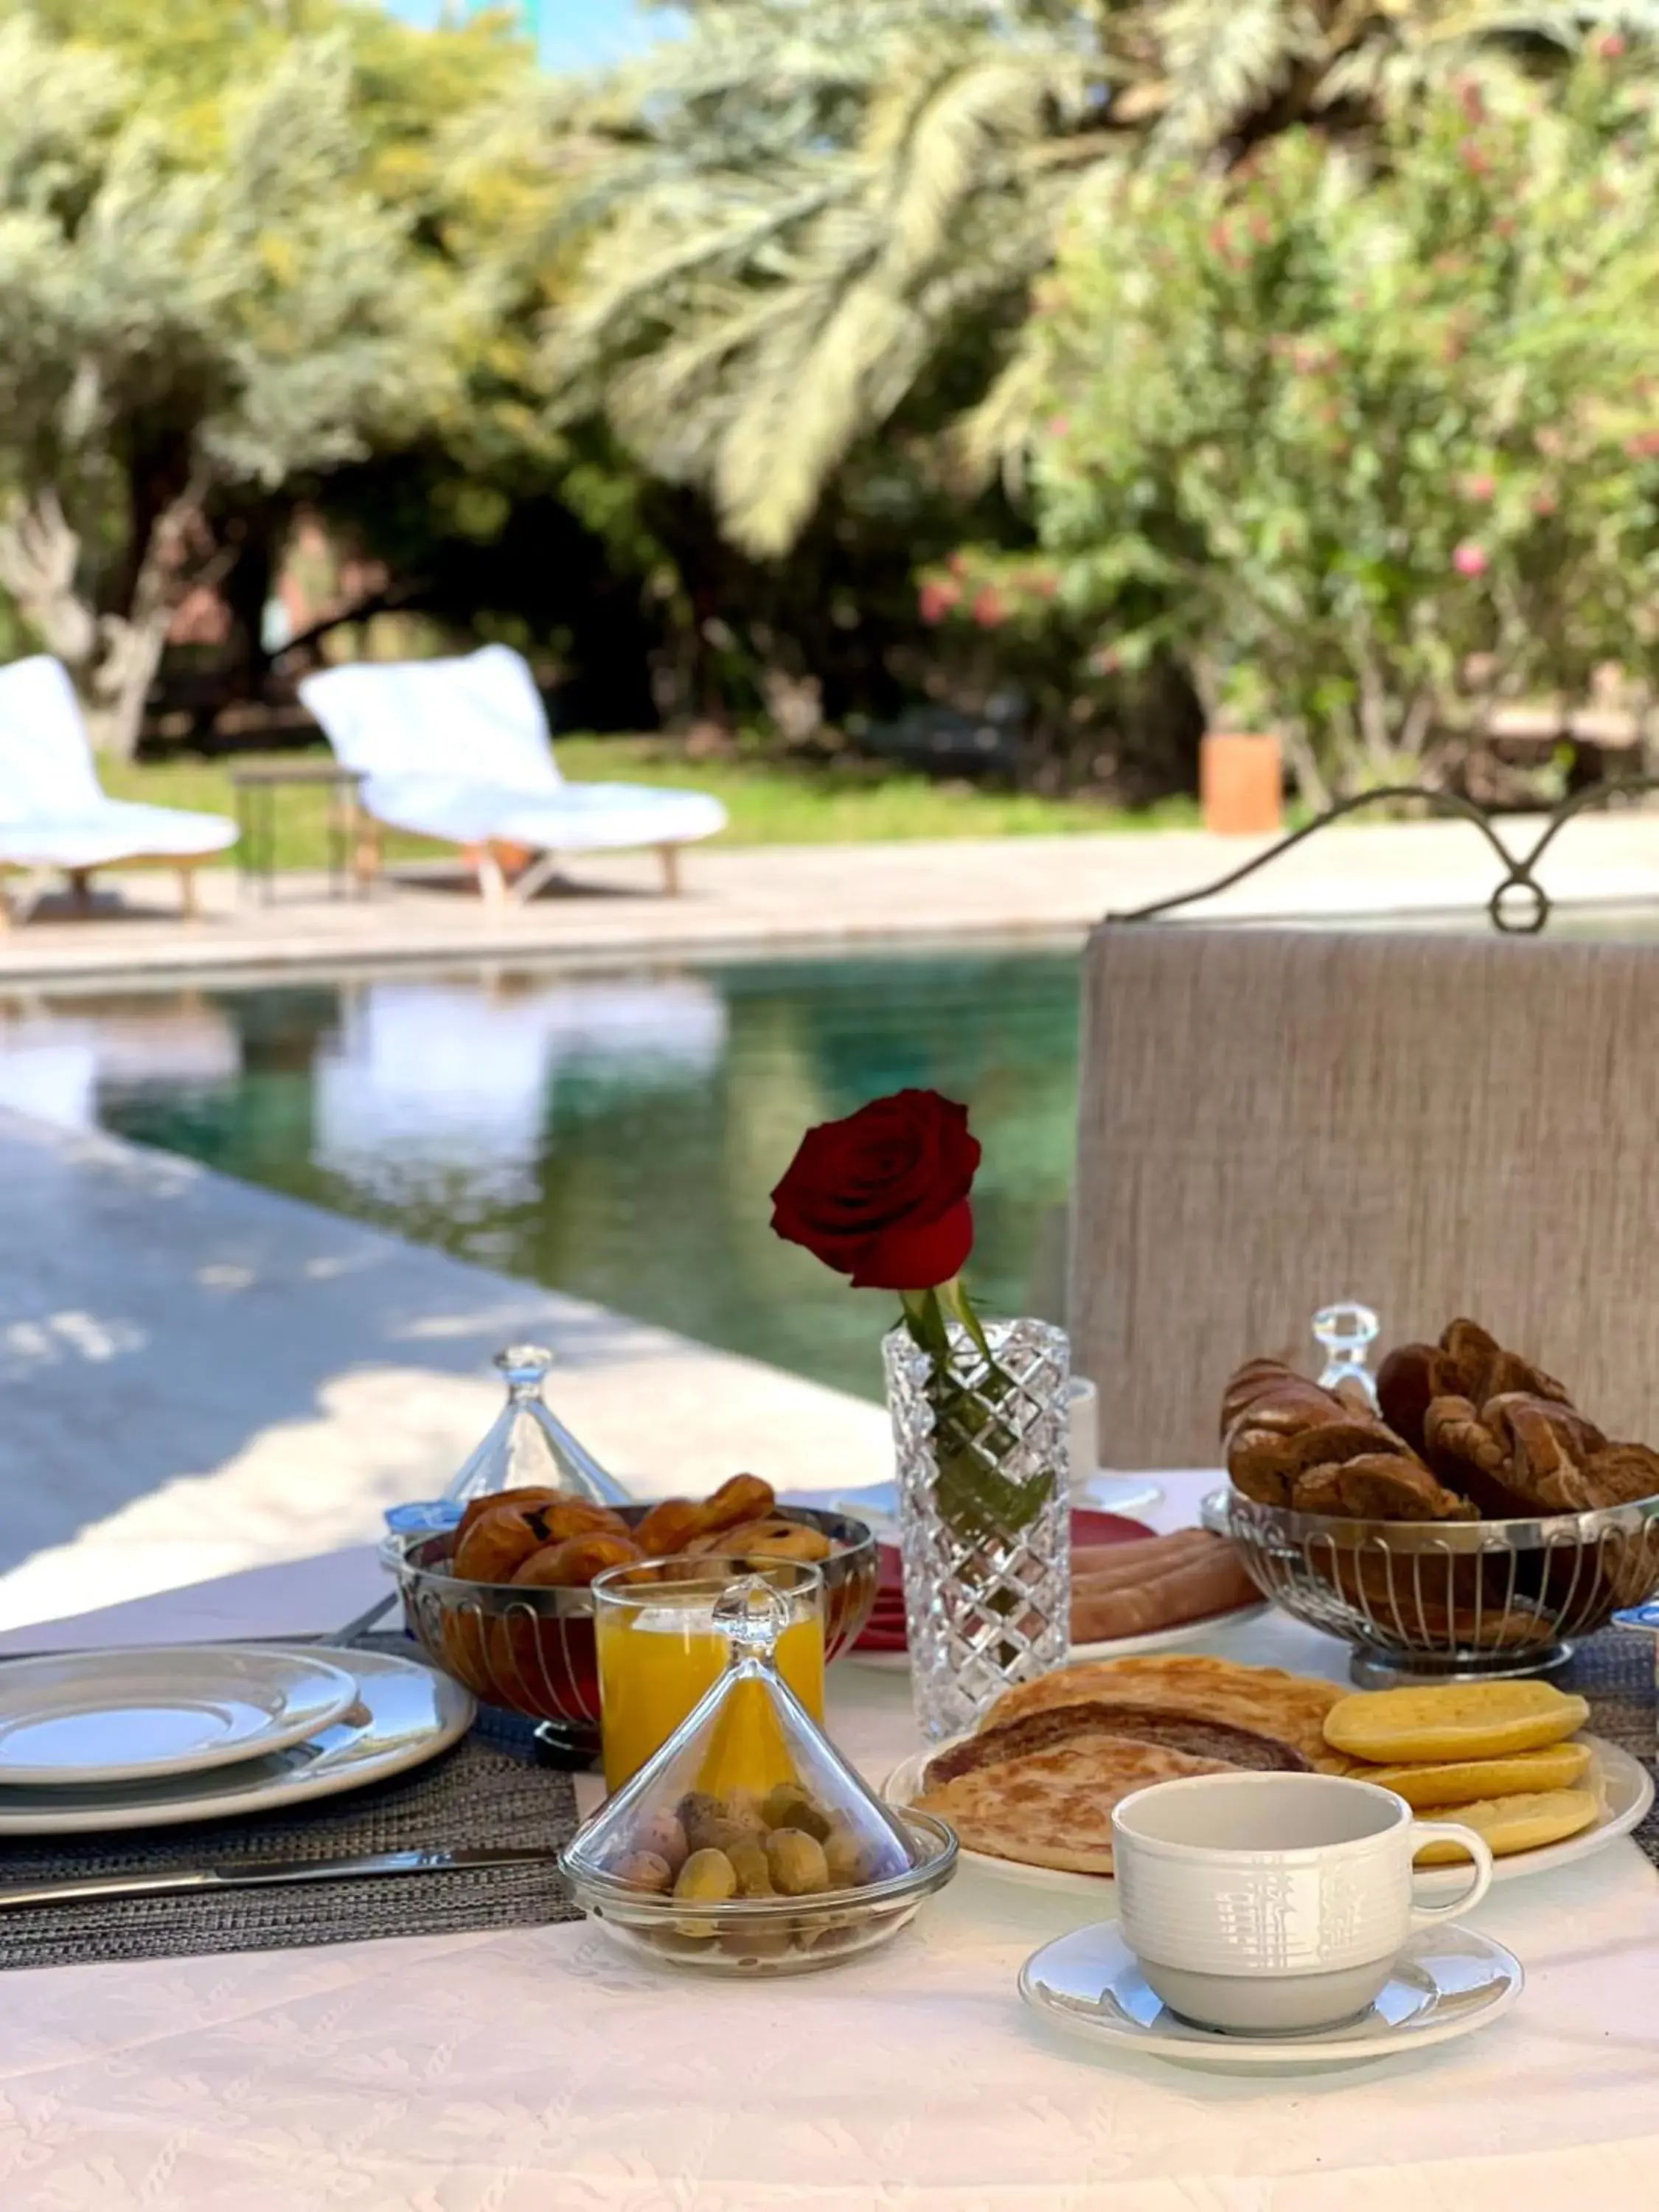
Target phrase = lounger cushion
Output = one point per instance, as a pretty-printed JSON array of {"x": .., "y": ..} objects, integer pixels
[
  {"x": 579, "y": 818},
  {"x": 459, "y": 750},
  {"x": 477, "y": 716},
  {"x": 52, "y": 812}
]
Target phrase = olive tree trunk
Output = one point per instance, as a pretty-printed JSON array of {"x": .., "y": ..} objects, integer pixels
[{"x": 113, "y": 657}]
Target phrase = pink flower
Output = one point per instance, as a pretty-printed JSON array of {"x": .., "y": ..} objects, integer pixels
[
  {"x": 988, "y": 611},
  {"x": 1610, "y": 47},
  {"x": 1644, "y": 446},
  {"x": 1483, "y": 488},
  {"x": 936, "y": 600},
  {"x": 1544, "y": 501},
  {"x": 1470, "y": 559},
  {"x": 1060, "y": 426}
]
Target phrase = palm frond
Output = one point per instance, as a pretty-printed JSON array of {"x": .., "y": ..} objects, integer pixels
[
  {"x": 786, "y": 218},
  {"x": 1224, "y": 59}
]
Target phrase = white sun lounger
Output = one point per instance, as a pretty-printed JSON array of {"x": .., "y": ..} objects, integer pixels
[
  {"x": 459, "y": 750},
  {"x": 54, "y": 813}
]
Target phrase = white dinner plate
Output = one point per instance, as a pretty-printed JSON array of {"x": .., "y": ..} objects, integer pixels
[
  {"x": 876, "y": 1505},
  {"x": 403, "y": 1713},
  {"x": 86, "y": 1717},
  {"x": 1625, "y": 1787},
  {"x": 1447, "y": 1981},
  {"x": 1121, "y": 1647}
]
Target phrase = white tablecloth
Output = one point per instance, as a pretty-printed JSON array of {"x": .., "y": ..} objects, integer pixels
[{"x": 545, "y": 2069}]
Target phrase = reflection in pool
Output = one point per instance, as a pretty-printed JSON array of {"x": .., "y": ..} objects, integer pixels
[{"x": 614, "y": 1135}]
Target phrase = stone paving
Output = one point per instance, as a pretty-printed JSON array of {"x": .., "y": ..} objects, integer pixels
[
  {"x": 740, "y": 900},
  {"x": 201, "y": 1376}
]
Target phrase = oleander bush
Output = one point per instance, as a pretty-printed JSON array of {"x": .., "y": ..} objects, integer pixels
[{"x": 1366, "y": 438}]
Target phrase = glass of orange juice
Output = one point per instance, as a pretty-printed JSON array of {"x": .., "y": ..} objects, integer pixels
[{"x": 659, "y": 1650}]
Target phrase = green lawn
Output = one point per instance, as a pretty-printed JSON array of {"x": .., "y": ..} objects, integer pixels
[{"x": 769, "y": 804}]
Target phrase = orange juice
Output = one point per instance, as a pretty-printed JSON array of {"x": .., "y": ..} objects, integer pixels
[{"x": 656, "y": 1662}]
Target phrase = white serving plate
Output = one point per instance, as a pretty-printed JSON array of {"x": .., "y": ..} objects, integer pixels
[
  {"x": 1189, "y": 1633},
  {"x": 86, "y": 1718},
  {"x": 1447, "y": 1982},
  {"x": 403, "y": 1714},
  {"x": 876, "y": 1505},
  {"x": 1626, "y": 1785}
]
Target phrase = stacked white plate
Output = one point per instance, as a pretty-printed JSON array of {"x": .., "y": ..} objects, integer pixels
[{"x": 137, "y": 1738}]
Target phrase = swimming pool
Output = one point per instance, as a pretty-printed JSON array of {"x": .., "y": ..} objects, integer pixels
[{"x": 614, "y": 1134}]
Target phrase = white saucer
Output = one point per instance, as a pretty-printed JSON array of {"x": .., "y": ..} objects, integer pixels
[
  {"x": 1625, "y": 1787},
  {"x": 90, "y": 1717},
  {"x": 1447, "y": 1982},
  {"x": 1102, "y": 1492},
  {"x": 403, "y": 1714}
]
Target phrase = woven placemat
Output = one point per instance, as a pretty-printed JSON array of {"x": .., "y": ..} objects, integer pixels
[
  {"x": 494, "y": 1786},
  {"x": 1616, "y": 1672}
]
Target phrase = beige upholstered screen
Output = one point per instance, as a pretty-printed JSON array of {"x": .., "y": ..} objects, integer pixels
[{"x": 1433, "y": 1125}]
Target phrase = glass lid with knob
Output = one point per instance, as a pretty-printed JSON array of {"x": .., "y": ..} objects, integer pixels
[
  {"x": 528, "y": 1446},
  {"x": 748, "y": 1798}
]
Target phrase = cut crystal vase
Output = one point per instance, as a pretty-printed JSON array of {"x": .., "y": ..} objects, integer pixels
[{"x": 983, "y": 1456}]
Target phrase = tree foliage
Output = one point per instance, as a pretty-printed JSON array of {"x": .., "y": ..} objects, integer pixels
[
  {"x": 793, "y": 214},
  {"x": 1370, "y": 443},
  {"x": 213, "y": 282}
]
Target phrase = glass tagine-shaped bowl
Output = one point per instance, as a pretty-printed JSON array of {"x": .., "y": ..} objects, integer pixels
[
  {"x": 747, "y": 1844},
  {"x": 528, "y": 1446}
]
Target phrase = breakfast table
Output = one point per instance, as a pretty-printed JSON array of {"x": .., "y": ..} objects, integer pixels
[{"x": 546, "y": 2068}]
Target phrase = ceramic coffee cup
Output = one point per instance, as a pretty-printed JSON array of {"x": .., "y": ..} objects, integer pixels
[{"x": 1274, "y": 1904}]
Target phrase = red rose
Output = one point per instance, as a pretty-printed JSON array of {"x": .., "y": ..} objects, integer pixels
[{"x": 882, "y": 1196}]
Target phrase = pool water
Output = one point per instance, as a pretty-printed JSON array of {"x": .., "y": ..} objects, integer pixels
[{"x": 616, "y": 1135}]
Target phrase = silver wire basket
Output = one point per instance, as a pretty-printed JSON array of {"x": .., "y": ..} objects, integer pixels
[
  {"x": 1440, "y": 1600},
  {"x": 533, "y": 1650}
]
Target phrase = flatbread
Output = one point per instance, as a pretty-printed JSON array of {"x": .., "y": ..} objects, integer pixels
[
  {"x": 1265, "y": 1700},
  {"x": 1057, "y": 1724},
  {"x": 1054, "y": 1809}
]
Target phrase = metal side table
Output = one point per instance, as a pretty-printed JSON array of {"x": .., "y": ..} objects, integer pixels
[{"x": 256, "y": 785}]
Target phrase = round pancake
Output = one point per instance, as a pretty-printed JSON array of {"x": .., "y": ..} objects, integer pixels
[
  {"x": 1466, "y": 1781},
  {"x": 1440, "y": 1721},
  {"x": 1510, "y": 1825}
]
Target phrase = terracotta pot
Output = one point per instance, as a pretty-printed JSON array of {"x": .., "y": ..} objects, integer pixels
[
  {"x": 1241, "y": 784},
  {"x": 512, "y": 859}
]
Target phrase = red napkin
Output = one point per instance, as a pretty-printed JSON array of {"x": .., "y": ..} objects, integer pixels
[{"x": 885, "y": 1630}]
